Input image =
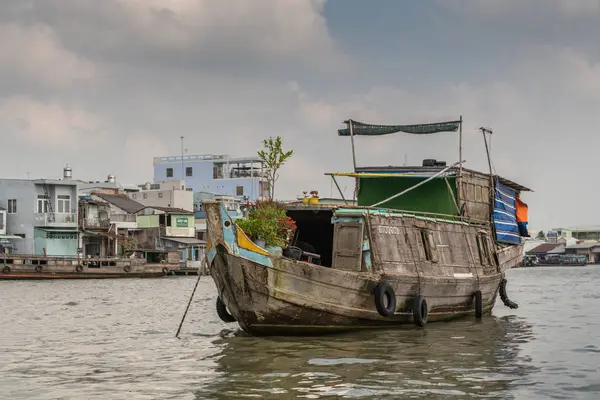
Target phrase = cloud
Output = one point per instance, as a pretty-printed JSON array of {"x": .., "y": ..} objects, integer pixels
[
  {"x": 48, "y": 126},
  {"x": 33, "y": 54},
  {"x": 196, "y": 34},
  {"x": 491, "y": 9}
]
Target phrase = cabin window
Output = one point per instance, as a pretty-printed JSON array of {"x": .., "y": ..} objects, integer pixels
[
  {"x": 188, "y": 171},
  {"x": 169, "y": 172},
  {"x": 429, "y": 247},
  {"x": 483, "y": 249},
  {"x": 12, "y": 206},
  {"x": 239, "y": 191}
]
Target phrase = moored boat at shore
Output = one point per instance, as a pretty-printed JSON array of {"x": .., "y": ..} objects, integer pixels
[
  {"x": 424, "y": 244},
  {"x": 22, "y": 267}
]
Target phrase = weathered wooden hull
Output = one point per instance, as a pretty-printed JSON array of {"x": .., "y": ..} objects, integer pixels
[
  {"x": 445, "y": 262},
  {"x": 296, "y": 298}
]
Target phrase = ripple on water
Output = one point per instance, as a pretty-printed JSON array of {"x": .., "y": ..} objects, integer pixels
[{"x": 114, "y": 339}]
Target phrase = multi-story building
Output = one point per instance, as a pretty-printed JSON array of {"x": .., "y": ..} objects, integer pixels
[
  {"x": 43, "y": 214},
  {"x": 218, "y": 174},
  {"x": 170, "y": 194},
  {"x": 579, "y": 233}
]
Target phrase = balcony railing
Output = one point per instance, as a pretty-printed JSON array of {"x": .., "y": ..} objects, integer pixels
[
  {"x": 122, "y": 218},
  {"x": 47, "y": 219}
]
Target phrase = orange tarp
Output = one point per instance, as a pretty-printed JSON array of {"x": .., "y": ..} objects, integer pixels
[{"x": 522, "y": 211}]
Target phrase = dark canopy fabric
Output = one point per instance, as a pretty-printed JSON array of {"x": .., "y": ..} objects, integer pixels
[{"x": 360, "y": 128}]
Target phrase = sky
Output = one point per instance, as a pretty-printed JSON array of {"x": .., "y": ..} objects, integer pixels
[{"x": 108, "y": 85}]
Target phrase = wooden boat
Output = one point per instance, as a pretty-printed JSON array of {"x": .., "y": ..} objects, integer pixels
[
  {"x": 375, "y": 267},
  {"x": 20, "y": 267}
]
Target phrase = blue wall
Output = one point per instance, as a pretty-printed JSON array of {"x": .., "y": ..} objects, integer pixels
[{"x": 202, "y": 179}]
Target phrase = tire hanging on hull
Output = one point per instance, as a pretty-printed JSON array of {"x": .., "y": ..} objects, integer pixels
[
  {"x": 478, "y": 304},
  {"x": 385, "y": 299},
  {"x": 504, "y": 297},
  {"x": 420, "y": 311},
  {"x": 223, "y": 313}
]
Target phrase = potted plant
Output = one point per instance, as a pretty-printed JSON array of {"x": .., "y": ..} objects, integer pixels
[
  {"x": 314, "y": 197},
  {"x": 268, "y": 226},
  {"x": 305, "y": 199}
]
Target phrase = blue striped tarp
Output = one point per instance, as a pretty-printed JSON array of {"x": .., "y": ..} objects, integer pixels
[{"x": 505, "y": 215}]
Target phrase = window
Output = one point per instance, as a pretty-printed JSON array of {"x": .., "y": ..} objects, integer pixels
[
  {"x": 12, "y": 206},
  {"x": 428, "y": 245},
  {"x": 169, "y": 172},
  {"x": 160, "y": 195},
  {"x": 188, "y": 171},
  {"x": 483, "y": 249},
  {"x": 63, "y": 203},
  {"x": 239, "y": 191},
  {"x": 42, "y": 204}
]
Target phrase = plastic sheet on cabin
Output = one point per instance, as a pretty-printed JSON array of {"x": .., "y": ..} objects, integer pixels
[
  {"x": 432, "y": 197},
  {"x": 505, "y": 215}
]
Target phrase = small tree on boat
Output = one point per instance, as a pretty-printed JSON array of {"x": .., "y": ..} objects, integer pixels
[
  {"x": 273, "y": 156},
  {"x": 268, "y": 222}
]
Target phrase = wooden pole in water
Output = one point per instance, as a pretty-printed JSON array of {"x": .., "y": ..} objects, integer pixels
[{"x": 188, "y": 305}]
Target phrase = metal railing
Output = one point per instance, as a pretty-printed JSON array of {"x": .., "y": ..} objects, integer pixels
[{"x": 56, "y": 218}]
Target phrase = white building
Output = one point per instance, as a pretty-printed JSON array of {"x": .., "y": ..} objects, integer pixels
[{"x": 168, "y": 194}]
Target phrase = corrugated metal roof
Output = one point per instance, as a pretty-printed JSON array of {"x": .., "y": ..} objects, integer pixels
[
  {"x": 170, "y": 210},
  {"x": 544, "y": 248},
  {"x": 587, "y": 245},
  {"x": 433, "y": 170},
  {"x": 121, "y": 201}
]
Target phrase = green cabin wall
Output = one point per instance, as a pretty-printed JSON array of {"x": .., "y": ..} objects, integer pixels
[{"x": 432, "y": 197}]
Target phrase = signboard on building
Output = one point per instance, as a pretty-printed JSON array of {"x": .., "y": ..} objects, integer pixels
[{"x": 182, "y": 222}]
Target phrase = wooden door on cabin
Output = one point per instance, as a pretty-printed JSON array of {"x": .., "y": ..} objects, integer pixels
[{"x": 347, "y": 246}]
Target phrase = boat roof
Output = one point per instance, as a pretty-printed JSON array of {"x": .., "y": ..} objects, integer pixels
[{"x": 421, "y": 172}]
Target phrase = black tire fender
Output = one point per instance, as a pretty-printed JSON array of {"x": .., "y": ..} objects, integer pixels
[
  {"x": 165, "y": 271},
  {"x": 38, "y": 268},
  {"x": 6, "y": 270},
  {"x": 385, "y": 299},
  {"x": 79, "y": 268},
  {"x": 223, "y": 313},
  {"x": 478, "y": 304},
  {"x": 127, "y": 268},
  {"x": 420, "y": 311}
]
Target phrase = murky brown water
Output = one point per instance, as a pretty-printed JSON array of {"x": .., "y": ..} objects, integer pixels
[{"x": 115, "y": 340}]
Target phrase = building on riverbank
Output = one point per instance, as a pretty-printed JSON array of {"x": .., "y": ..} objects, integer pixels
[
  {"x": 170, "y": 193},
  {"x": 243, "y": 178},
  {"x": 41, "y": 215}
]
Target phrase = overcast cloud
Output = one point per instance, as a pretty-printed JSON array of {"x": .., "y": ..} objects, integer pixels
[{"x": 107, "y": 85}]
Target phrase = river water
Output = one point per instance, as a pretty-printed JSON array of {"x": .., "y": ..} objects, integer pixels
[{"x": 114, "y": 339}]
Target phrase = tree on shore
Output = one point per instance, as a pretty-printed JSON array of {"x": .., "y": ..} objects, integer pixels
[
  {"x": 273, "y": 156},
  {"x": 541, "y": 235}
]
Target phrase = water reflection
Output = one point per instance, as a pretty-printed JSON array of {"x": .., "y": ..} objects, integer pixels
[{"x": 444, "y": 360}]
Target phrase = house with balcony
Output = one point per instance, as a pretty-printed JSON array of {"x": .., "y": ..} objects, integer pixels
[
  {"x": 243, "y": 178},
  {"x": 169, "y": 229},
  {"x": 42, "y": 213},
  {"x": 108, "y": 224}
]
